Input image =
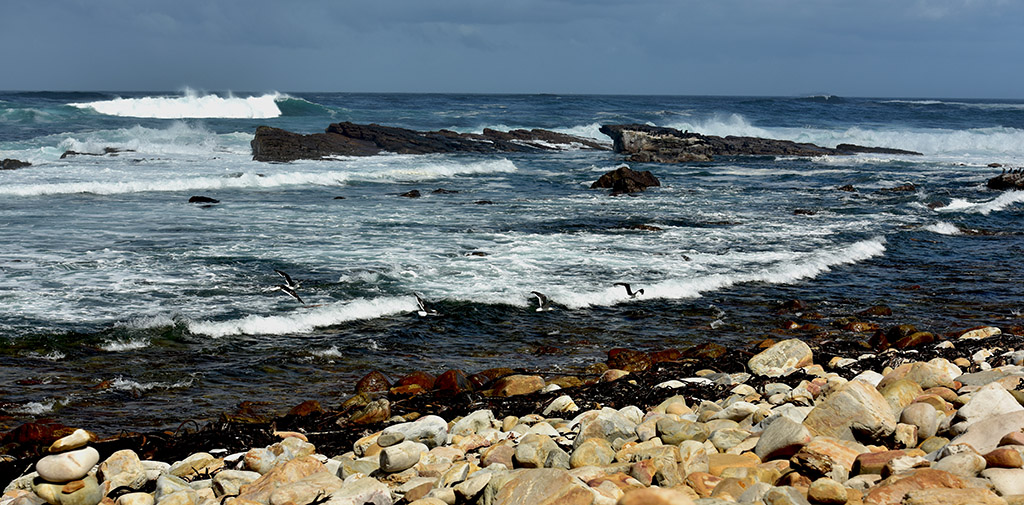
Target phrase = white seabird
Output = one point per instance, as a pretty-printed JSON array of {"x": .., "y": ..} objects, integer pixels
[
  {"x": 289, "y": 286},
  {"x": 542, "y": 301},
  {"x": 424, "y": 311}
]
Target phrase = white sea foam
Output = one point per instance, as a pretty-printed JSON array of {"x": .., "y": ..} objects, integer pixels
[
  {"x": 54, "y": 356},
  {"x": 414, "y": 170},
  {"x": 121, "y": 384},
  {"x": 178, "y": 138},
  {"x": 944, "y": 228},
  {"x": 305, "y": 320},
  {"x": 787, "y": 271},
  {"x": 36, "y": 408},
  {"x": 142, "y": 323},
  {"x": 984, "y": 207},
  {"x": 190, "y": 105},
  {"x": 330, "y": 352},
  {"x": 591, "y": 131},
  {"x": 124, "y": 345}
]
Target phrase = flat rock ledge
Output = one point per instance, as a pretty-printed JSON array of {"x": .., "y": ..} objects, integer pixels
[
  {"x": 351, "y": 139},
  {"x": 940, "y": 423},
  {"x": 645, "y": 144}
]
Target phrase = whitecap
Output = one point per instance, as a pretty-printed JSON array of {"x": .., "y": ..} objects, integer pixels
[
  {"x": 984, "y": 207},
  {"x": 124, "y": 345},
  {"x": 190, "y": 105},
  {"x": 944, "y": 228},
  {"x": 305, "y": 320}
]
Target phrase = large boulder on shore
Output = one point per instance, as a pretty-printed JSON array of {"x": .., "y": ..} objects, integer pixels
[
  {"x": 351, "y": 139},
  {"x": 645, "y": 143},
  {"x": 624, "y": 180}
]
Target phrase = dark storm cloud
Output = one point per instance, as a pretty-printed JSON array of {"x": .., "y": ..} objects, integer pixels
[{"x": 869, "y": 47}]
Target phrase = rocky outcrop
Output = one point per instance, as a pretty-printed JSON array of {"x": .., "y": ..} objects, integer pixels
[
  {"x": 624, "y": 180},
  {"x": 12, "y": 164},
  {"x": 644, "y": 143},
  {"x": 107, "y": 151},
  {"x": 350, "y": 139},
  {"x": 1007, "y": 180}
]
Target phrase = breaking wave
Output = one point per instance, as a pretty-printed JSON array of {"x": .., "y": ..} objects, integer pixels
[
  {"x": 191, "y": 105},
  {"x": 984, "y": 208},
  {"x": 305, "y": 321}
]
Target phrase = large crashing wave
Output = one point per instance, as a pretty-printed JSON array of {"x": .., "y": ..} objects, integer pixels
[{"x": 191, "y": 105}]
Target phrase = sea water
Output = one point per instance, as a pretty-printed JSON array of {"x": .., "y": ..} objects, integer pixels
[{"x": 124, "y": 306}]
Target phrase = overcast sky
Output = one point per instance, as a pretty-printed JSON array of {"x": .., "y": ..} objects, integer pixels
[{"x": 907, "y": 48}]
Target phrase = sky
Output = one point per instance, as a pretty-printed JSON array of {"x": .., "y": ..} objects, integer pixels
[{"x": 890, "y": 48}]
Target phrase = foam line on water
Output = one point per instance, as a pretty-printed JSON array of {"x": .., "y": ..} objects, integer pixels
[
  {"x": 304, "y": 320},
  {"x": 986, "y": 207},
  {"x": 190, "y": 105},
  {"x": 810, "y": 265},
  {"x": 409, "y": 172}
]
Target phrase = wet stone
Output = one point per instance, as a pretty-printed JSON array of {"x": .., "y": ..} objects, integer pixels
[
  {"x": 628, "y": 360},
  {"x": 373, "y": 382},
  {"x": 452, "y": 383}
]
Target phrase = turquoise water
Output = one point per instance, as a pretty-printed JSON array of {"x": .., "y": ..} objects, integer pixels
[{"x": 123, "y": 302}]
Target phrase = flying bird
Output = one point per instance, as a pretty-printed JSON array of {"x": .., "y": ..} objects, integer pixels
[
  {"x": 424, "y": 311},
  {"x": 629, "y": 290},
  {"x": 542, "y": 301},
  {"x": 288, "y": 287}
]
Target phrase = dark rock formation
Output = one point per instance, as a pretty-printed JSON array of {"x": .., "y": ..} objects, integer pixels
[
  {"x": 855, "y": 149},
  {"x": 624, "y": 180},
  {"x": 107, "y": 151},
  {"x": 203, "y": 200},
  {"x": 1008, "y": 180},
  {"x": 411, "y": 194},
  {"x": 848, "y": 188},
  {"x": 350, "y": 139},
  {"x": 12, "y": 164},
  {"x": 646, "y": 143}
]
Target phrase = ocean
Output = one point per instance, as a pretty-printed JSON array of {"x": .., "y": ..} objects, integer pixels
[{"x": 124, "y": 306}]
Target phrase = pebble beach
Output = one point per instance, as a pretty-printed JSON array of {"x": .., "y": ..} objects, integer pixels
[{"x": 904, "y": 417}]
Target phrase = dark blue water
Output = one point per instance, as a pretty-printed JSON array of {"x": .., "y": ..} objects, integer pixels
[{"x": 126, "y": 307}]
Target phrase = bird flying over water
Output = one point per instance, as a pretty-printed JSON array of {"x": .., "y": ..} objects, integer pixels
[
  {"x": 288, "y": 287},
  {"x": 629, "y": 290},
  {"x": 424, "y": 311},
  {"x": 542, "y": 301}
]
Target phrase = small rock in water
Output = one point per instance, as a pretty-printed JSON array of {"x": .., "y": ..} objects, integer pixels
[
  {"x": 202, "y": 199},
  {"x": 411, "y": 194}
]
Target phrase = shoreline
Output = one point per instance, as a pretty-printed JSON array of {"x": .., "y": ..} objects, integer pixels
[{"x": 629, "y": 380}]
